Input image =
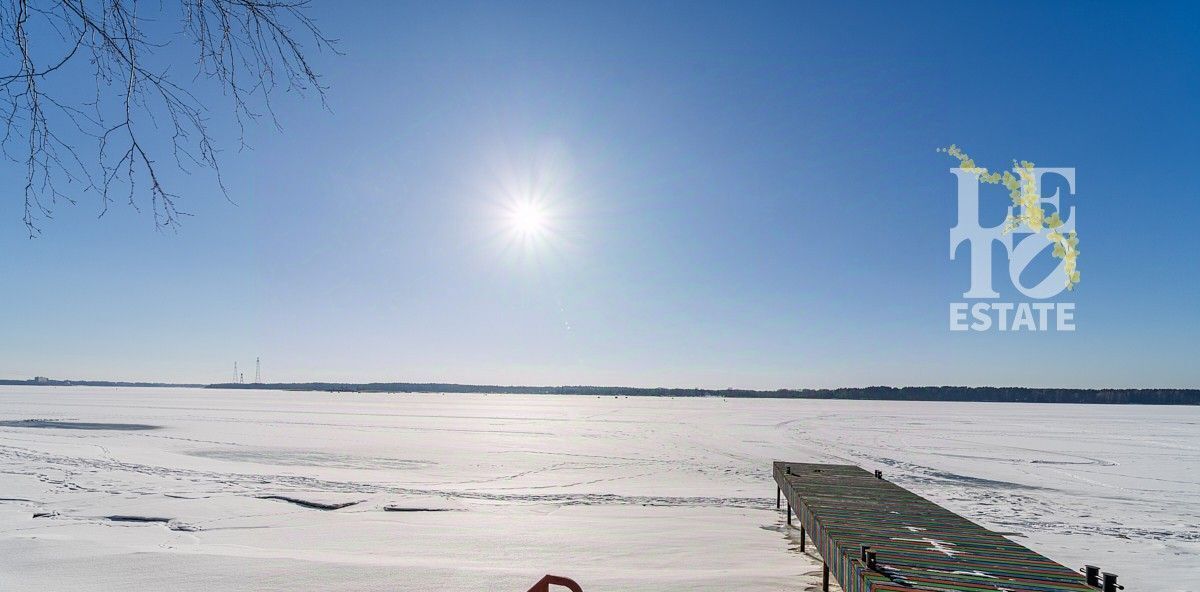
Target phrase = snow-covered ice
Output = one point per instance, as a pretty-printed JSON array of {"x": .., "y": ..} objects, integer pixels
[{"x": 206, "y": 490}]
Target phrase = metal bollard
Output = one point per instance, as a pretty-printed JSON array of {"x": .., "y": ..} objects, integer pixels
[
  {"x": 864, "y": 550},
  {"x": 872, "y": 563},
  {"x": 878, "y": 474},
  {"x": 1091, "y": 575}
]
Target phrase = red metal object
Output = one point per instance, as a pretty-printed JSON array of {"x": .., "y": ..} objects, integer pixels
[{"x": 544, "y": 584}]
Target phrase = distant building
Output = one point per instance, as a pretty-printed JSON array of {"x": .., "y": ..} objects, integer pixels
[{"x": 41, "y": 380}]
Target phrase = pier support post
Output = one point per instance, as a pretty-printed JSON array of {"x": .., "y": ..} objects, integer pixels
[
  {"x": 778, "y": 495},
  {"x": 801, "y": 537},
  {"x": 825, "y": 577},
  {"x": 789, "y": 511}
]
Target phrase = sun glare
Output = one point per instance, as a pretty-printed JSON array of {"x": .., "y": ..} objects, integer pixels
[{"x": 528, "y": 219}]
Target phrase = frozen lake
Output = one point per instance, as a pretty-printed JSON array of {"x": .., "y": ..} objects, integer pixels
[{"x": 197, "y": 490}]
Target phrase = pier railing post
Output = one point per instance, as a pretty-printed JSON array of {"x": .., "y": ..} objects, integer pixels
[
  {"x": 825, "y": 577},
  {"x": 789, "y": 511},
  {"x": 1110, "y": 582},
  {"x": 778, "y": 495}
]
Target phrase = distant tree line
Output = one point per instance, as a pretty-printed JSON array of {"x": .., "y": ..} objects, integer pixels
[
  {"x": 878, "y": 393},
  {"x": 983, "y": 394}
]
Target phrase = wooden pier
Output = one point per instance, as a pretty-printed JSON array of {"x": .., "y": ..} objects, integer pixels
[{"x": 875, "y": 536}]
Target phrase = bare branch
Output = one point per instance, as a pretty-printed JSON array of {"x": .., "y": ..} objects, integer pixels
[{"x": 249, "y": 49}]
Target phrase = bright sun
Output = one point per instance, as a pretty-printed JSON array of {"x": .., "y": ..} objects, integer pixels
[{"x": 528, "y": 219}]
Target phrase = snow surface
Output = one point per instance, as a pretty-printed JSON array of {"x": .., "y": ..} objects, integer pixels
[{"x": 208, "y": 490}]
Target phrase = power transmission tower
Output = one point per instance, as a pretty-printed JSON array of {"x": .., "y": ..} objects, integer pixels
[
  {"x": 257, "y": 371},
  {"x": 236, "y": 374}
]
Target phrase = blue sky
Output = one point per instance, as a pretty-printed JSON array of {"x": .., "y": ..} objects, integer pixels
[{"x": 739, "y": 196}]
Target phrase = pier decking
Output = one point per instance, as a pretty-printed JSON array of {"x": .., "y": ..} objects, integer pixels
[{"x": 875, "y": 536}]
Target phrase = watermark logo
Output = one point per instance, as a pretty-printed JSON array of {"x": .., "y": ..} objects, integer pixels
[{"x": 1026, "y": 220}]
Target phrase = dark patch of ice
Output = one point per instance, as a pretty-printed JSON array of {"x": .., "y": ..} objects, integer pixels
[
  {"x": 308, "y": 503},
  {"x": 411, "y": 509},
  {"x": 978, "y": 481},
  {"x": 75, "y": 425},
  {"x": 129, "y": 518},
  {"x": 171, "y": 523}
]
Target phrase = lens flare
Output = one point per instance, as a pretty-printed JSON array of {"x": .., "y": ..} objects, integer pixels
[{"x": 528, "y": 219}]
